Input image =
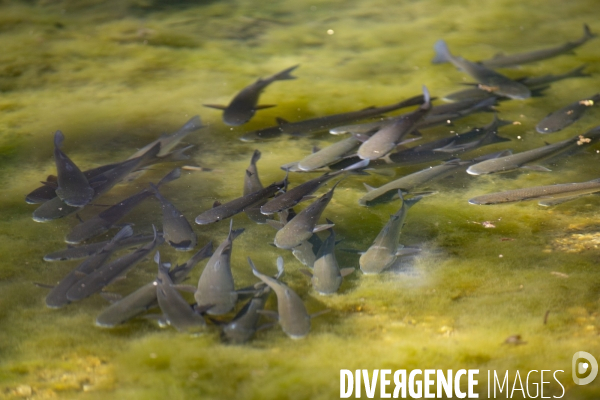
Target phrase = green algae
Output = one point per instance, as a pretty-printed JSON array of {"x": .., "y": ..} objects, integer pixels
[{"x": 114, "y": 75}]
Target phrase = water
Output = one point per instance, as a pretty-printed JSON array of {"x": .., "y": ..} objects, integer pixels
[{"x": 114, "y": 75}]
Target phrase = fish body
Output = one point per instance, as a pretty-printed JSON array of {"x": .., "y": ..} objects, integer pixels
[
  {"x": 324, "y": 123},
  {"x": 73, "y": 187},
  {"x": 216, "y": 286},
  {"x": 304, "y": 224},
  {"x": 329, "y": 154},
  {"x": 87, "y": 250},
  {"x": 238, "y": 205},
  {"x": 385, "y": 250},
  {"x": 145, "y": 297},
  {"x": 488, "y": 79},
  {"x": 101, "y": 277},
  {"x": 326, "y": 275},
  {"x": 293, "y": 317},
  {"x": 245, "y": 323},
  {"x": 500, "y": 61},
  {"x": 388, "y": 137},
  {"x": 245, "y": 104},
  {"x": 177, "y": 231},
  {"x": 560, "y": 119},
  {"x": 559, "y": 191}
]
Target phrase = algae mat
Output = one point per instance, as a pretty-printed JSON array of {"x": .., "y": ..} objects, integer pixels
[{"x": 113, "y": 75}]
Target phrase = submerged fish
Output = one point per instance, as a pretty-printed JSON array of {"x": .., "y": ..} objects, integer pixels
[
  {"x": 73, "y": 187},
  {"x": 292, "y": 314},
  {"x": 489, "y": 80},
  {"x": 324, "y": 123},
  {"x": 215, "y": 286},
  {"x": 560, "y": 119},
  {"x": 144, "y": 298},
  {"x": 385, "y": 249},
  {"x": 177, "y": 312},
  {"x": 177, "y": 231},
  {"x": 388, "y": 137},
  {"x": 329, "y": 154},
  {"x": 520, "y": 160},
  {"x": 559, "y": 191},
  {"x": 537, "y": 55},
  {"x": 245, "y": 104}
]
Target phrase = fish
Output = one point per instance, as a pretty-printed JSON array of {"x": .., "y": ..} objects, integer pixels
[
  {"x": 223, "y": 211},
  {"x": 245, "y": 104},
  {"x": 385, "y": 249},
  {"x": 488, "y": 79},
  {"x": 560, "y": 119},
  {"x": 58, "y": 295},
  {"x": 291, "y": 312},
  {"x": 501, "y": 60},
  {"x": 101, "y": 277},
  {"x": 252, "y": 184},
  {"x": 87, "y": 250},
  {"x": 329, "y": 154},
  {"x": 312, "y": 125},
  {"x": 55, "y": 208},
  {"x": 522, "y": 159},
  {"x": 551, "y": 192},
  {"x": 303, "y": 225},
  {"x": 73, "y": 187},
  {"x": 533, "y": 83},
  {"x": 303, "y": 191},
  {"x": 388, "y": 137},
  {"x": 326, "y": 274},
  {"x": 144, "y": 298},
  {"x": 177, "y": 312},
  {"x": 168, "y": 142},
  {"x": 216, "y": 286},
  {"x": 109, "y": 217},
  {"x": 177, "y": 231},
  {"x": 306, "y": 251}
]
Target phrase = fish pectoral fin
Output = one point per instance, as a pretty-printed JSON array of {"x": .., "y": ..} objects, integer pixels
[
  {"x": 275, "y": 224},
  {"x": 317, "y": 314},
  {"x": 43, "y": 285},
  {"x": 111, "y": 297},
  {"x": 217, "y": 106},
  {"x": 536, "y": 168},
  {"x": 185, "y": 288},
  {"x": 369, "y": 188},
  {"x": 269, "y": 314},
  {"x": 263, "y": 106},
  {"x": 323, "y": 227},
  {"x": 346, "y": 271},
  {"x": 306, "y": 272}
]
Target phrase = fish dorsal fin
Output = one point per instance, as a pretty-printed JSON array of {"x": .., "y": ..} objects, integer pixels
[
  {"x": 323, "y": 227},
  {"x": 369, "y": 188},
  {"x": 315, "y": 149},
  {"x": 217, "y": 106},
  {"x": 281, "y": 121},
  {"x": 217, "y": 203}
]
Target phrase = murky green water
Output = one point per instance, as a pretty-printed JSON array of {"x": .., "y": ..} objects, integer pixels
[{"x": 114, "y": 75}]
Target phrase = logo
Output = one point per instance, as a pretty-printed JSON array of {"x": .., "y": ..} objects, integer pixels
[{"x": 584, "y": 364}]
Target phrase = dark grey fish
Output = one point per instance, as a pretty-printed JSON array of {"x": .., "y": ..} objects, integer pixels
[
  {"x": 216, "y": 286},
  {"x": 177, "y": 231},
  {"x": 56, "y": 208},
  {"x": 301, "y": 192},
  {"x": 144, "y": 298},
  {"x": 101, "y": 277},
  {"x": 388, "y": 137},
  {"x": 292, "y": 314},
  {"x": 324, "y": 123},
  {"x": 489, "y": 80},
  {"x": 554, "y": 192},
  {"x": 306, "y": 251},
  {"x": 245, "y": 104},
  {"x": 87, "y": 250},
  {"x": 501, "y": 60},
  {"x": 177, "y": 312},
  {"x": 168, "y": 142},
  {"x": 109, "y": 217},
  {"x": 523, "y": 159},
  {"x": 560, "y": 119},
  {"x": 326, "y": 274},
  {"x": 73, "y": 187},
  {"x": 238, "y": 205},
  {"x": 303, "y": 225},
  {"x": 252, "y": 184},
  {"x": 385, "y": 249},
  {"x": 58, "y": 295}
]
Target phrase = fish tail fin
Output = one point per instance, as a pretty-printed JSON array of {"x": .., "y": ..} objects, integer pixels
[
  {"x": 409, "y": 202},
  {"x": 587, "y": 32},
  {"x": 279, "y": 267},
  {"x": 170, "y": 177},
  {"x": 442, "y": 53},
  {"x": 426, "y": 98},
  {"x": 234, "y": 233},
  {"x": 255, "y": 157},
  {"x": 285, "y": 74},
  {"x": 162, "y": 268}
]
